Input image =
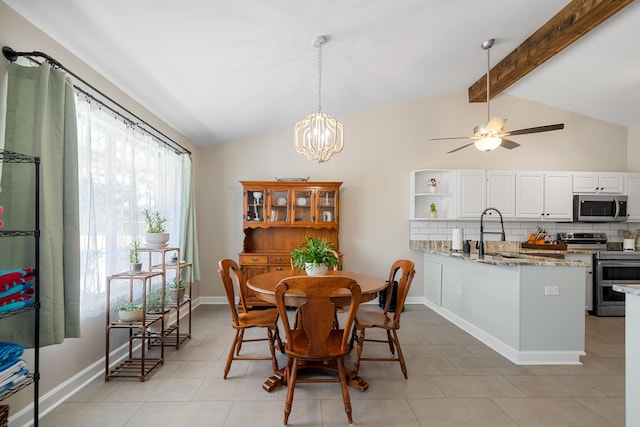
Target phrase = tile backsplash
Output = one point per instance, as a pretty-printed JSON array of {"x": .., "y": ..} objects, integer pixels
[{"x": 517, "y": 231}]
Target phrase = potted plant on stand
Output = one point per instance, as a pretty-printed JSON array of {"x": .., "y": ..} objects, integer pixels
[
  {"x": 434, "y": 210},
  {"x": 128, "y": 311},
  {"x": 315, "y": 256},
  {"x": 176, "y": 290},
  {"x": 134, "y": 257},
  {"x": 156, "y": 235}
]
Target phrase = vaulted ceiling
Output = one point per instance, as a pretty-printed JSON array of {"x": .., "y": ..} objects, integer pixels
[{"x": 220, "y": 71}]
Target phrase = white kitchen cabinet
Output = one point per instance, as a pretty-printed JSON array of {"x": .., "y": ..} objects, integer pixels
[
  {"x": 598, "y": 182},
  {"x": 501, "y": 192},
  {"x": 632, "y": 184},
  {"x": 472, "y": 193},
  {"x": 544, "y": 196},
  {"x": 423, "y": 195}
]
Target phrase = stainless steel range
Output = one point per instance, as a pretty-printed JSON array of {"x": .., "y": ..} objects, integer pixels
[{"x": 611, "y": 267}]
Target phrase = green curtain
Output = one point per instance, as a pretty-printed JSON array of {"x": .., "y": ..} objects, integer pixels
[
  {"x": 188, "y": 234},
  {"x": 41, "y": 121}
]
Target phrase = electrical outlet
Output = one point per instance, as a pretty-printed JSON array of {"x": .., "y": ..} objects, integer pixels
[{"x": 552, "y": 290}]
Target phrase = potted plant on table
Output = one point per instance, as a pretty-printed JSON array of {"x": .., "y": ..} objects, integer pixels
[
  {"x": 156, "y": 235},
  {"x": 128, "y": 311},
  {"x": 315, "y": 256},
  {"x": 134, "y": 257}
]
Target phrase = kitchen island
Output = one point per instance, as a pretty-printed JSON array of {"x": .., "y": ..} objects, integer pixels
[
  {"x": 632, "y": 352},
  {"x": 529, "y": 309}
]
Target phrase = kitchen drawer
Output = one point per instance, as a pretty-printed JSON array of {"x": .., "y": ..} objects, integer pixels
[
  {"x": 248, "y": 259},
  {"x": 279, "y": 259}
]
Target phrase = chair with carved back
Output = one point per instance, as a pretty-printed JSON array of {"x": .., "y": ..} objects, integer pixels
[
  {"x": 229, "y": 273},
  {"x": 316, "y": 339},
  {"x": 390, "y": 322}
]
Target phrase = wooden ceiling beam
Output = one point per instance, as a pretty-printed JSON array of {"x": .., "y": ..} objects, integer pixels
[{"x": 572, "y": 22}]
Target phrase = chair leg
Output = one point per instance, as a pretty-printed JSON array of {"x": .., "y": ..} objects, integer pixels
[
  {"x": 292, "y": 373},
  {"x": 354, "y": 337},
  {"x": 356, "y": 364},
  {"x": 240, "y": 340},
  {"x": 231, "y": 351},
  {"x": 390, "y": 341},
  {"x": 403, "y": 366},
  {"x": 345, "y": 390},
  {"x": 278, "y": 340},
  {"x": 272, "y": 349}
]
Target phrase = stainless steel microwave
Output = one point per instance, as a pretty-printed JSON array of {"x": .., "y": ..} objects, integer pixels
[{"x": 599, "y": 208}]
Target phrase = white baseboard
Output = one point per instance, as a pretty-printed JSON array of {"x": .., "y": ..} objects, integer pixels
[{"x": 515, "y": 356}]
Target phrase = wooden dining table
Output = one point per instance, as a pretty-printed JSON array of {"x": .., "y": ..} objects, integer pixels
[{"x": 264, "y": 285}]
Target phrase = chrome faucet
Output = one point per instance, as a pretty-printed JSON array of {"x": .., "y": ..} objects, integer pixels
[{"x": 482, "y": 232}]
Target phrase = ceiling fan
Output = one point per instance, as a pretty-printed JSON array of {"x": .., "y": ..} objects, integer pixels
[{"x": 491, "y": 135}]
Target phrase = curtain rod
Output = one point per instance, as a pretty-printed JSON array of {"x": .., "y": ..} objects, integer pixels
[{"x": 12, "y": 56}]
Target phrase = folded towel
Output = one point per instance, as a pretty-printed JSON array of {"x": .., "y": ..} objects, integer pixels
[
  {"x": 17, "y": 297},
  {"x": 15, "y": 305},
  {"x": 15, "y": 379},
  {"x": 10, "y": 280},
  {"x": 16, "y": 289},
  {"x": 10, "y": 351},
  {"x": 11, "y": 368}
]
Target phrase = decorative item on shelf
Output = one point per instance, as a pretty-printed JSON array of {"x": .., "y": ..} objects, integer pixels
[
  {"x": 432, "y": 183},
  {"x": 128, "y": 311},
  {"x": 292, "y": 179},
  {"x": 257, "y": 196},
  {"x": 176, "y": 290},
  {"x": 134, "y": 258},
  {"x": 318, "y": 136},
  {"x": 156, "y": 235},
  {"x": 174, "y": 258},
  {"x": 434, "y": 210},
  {"x": 315, "y": 256}
]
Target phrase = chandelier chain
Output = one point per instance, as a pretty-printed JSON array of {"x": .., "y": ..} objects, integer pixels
[{"x": 319, "y": 78}]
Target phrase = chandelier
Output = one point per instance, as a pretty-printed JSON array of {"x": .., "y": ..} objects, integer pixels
[{"x": 318, "y": 136}]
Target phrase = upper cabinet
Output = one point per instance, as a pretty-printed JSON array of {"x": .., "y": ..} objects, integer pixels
[
  {"x": 501, "y": 192},
  {"x": 544, "y": 196},
  {"x": 472, "y": 193},
  {"x": 633, "y": 191},
  {"x": 598, "y": 182},
  {"x": 303, "y": 204}
]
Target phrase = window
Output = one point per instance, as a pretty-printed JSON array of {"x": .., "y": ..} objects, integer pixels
[{"x": 121, "y": 171}]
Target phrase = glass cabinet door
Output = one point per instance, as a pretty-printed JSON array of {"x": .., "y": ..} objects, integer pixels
[
  {"x": 279, "y": 204},
  {"x": 302, "y": 206},
  {"x": 326, "y": 206},
  {"x": 255, "y": 205}
]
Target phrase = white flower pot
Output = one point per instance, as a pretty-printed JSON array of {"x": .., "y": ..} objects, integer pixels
[
  {"x": 315, "y": 269},
  {"x": 157, "y": 240},
  {"x": 130, "y": 316}
]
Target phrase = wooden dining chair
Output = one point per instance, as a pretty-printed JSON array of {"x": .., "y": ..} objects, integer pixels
[
  {"x": 229, "y": 273},
  {"x": 385, "y": 320},
  {"x": 316, "y": 339}
]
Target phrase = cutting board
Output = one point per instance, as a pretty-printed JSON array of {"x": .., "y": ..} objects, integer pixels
[{"x": 546, "y": 246}]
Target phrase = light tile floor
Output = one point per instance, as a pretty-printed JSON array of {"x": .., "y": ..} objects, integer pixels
[{"x": 454, "y": 380}]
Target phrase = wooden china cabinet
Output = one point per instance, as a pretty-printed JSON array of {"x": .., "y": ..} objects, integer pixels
[{"x": 278, "y": 215}]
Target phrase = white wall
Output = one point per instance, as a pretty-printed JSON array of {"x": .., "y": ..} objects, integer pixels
[{"x": 381, "y": 148}]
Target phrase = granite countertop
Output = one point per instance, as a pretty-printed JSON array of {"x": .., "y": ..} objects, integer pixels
[
  {"x": 628, "y": 289},
  {"x": 510, "y": 258}
]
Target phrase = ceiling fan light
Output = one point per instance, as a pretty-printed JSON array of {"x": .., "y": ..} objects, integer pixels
[{"x": 488, "y": 143}]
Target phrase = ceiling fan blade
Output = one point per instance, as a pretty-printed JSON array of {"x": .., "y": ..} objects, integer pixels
[
  {"x": 451, "y": 137},
  {"x": 460, "y": 148},
  {"x": 537, "y": 129},
  {"x": 496, "y": 124},
  {"x": 508, "y": 144}
]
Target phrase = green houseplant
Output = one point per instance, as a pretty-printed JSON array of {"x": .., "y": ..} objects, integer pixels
[
  {"x": 434, "y": 210},
  {"x": 134, "y": 257},
  {"x": 156, "y": 235},
  {"x": 128, "y": 311},
  {"x": 176, "y": 289},
  {"x": 315, "y": 253}
]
